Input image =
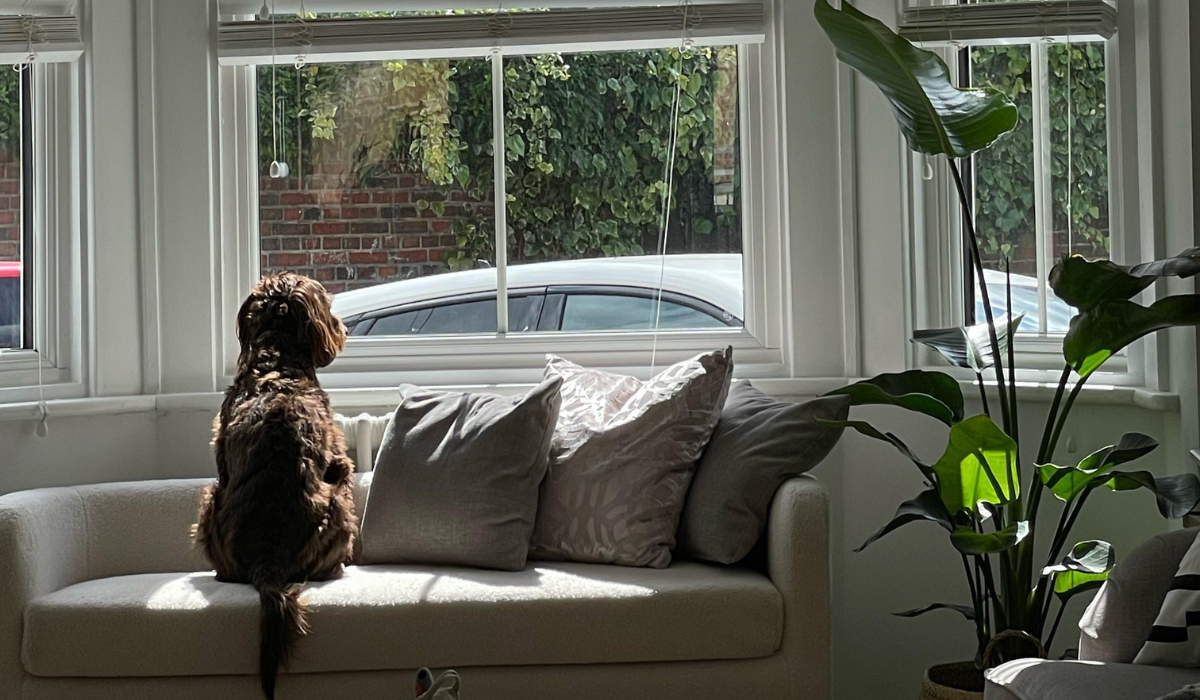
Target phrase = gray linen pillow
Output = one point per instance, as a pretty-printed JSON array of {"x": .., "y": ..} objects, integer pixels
[
  {"x": 456, "y": 480},
  {"x": 758, "y": 444},
  {"x": 623, "y": 456}
]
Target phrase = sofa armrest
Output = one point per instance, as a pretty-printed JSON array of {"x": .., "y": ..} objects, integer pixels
[
  {"x": 798, "y": 564},
  {"x": 54, "y": 538},
  {"x": 43, "y": 547}
]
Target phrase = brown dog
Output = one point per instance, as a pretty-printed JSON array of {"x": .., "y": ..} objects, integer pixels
[{"x": 281, "y": 511}]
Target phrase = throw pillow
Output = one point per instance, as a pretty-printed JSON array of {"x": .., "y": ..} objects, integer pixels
[
  {"x": 1169, "y": 643},
  {"x": 456, "y": 480},
  {"x": 624, "y": 453},
  {"x": 758, "y": 444}
]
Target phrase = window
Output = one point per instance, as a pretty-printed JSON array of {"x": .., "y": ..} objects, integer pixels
[
  {"x": 16, "y": 279},
  {"x": 400, "y": 197},
  {"x": 391, "y": 177},
  {"x": 1042, "y": 190}
]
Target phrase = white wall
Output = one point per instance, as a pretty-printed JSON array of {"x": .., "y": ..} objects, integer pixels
[{"x": 155, "y": 260}]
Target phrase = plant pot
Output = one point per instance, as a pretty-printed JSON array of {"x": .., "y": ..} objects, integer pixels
[{"x": 958, "y": 681}]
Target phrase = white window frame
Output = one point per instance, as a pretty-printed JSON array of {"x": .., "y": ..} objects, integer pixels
[
  {"x": 760, "y": 347},
  {"x": 58, "y": 245},
  {"x": 935, "y": 222}
]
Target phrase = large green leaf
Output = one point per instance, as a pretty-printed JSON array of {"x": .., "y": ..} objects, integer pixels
[
  {"x": 970, "y": 542},
  {"x": 1084, "y": 283},
  {"x": 965, "y": 610},
  {"x": 865, "y": 428},
  {"x": 1176, "y": 495},
  {"x": 1090, "y": 557},
  {"x": 935, "y": 116},
  {"x": 969, "y": 346},
  {"x": 976, "y": 466},
  {"x": 1068, "y": 482},
  {"x": 1103, "y": 330},
  {"x": 1070, "y": 583},
  {"x": 935, "y": 394},
  {"x": 926, "y": 506}
]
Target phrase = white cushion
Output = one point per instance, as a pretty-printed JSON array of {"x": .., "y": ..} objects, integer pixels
[{"x": 397, "y": 617}]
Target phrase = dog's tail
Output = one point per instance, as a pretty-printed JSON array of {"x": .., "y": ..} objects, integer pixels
[{"x": 281, "y": 623}]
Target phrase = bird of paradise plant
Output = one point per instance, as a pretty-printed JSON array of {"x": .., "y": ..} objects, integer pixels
[{"x": 979, "y": 491}]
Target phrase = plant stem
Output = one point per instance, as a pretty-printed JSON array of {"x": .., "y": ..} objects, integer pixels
[
  {"x": 977, "y": 603},
  {"x": 1052, "y": 416},
  {"x": 973, "y": 245},
  {"x": 1054, "y": 628},
  {"x": 983, "y": 394},
  {"x": 1062, "y": 418}
]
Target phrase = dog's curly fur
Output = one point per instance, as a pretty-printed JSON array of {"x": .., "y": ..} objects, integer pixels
[{"x": 281, "y": 511}]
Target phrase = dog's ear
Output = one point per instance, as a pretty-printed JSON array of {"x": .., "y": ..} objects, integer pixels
[
  {"x": 324, "y": 332},
  {"x": 244, "y": 319}
]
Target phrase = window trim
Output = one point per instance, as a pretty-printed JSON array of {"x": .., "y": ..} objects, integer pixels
[
  {"x": 56, "y": 225},
  {"x": 939, "y": 286},
  {"x": 500, "y": 358}
]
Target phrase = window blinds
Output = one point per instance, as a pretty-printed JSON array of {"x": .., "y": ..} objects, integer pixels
[
  {"x": 50, "y": 38},
  {"x": 423, "y": 36},
  {"x": 1081, "y": 20}
]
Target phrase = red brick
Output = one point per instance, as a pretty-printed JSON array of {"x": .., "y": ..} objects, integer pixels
[
  {"x": 435, "y": 255},
  {"x": 449, "y": 241},
  {"x": 270, "y": 214},
  {"x": 291, "y": 214},
  {"x": 349, "y": 212},
  {"x": 389, "y": 271},
  {"x": 369, "y": 227},
  {"x": 405, "y": 182},
  {"x": 310, "y": 243},
  {"x": 296, "y": 198},
  {"x": 267, "y": 199},
  {"x": 440, "y": 226},
  {"x": 363, "y": 257},
  {"x": 335, "y": 287},
  {"x": 289, "y": 243},
  {"x": 360, "y": 197},
  {"x": 8, "y": 251},
  {"x": 331, "y": 243},
  {"x": 430, "y": 241},
  {"x": 351, "y": 242},
  {"x": 329, "y": 228},
  {"x": 412, "y": 226},
  {"x": 331, "y": 197},
  {"x": 328, "y": 257},
  {"x": 332, "y": 213},
  {"x": 400, "y": 197},
  {"x": 323, "y": 274},
  {"x": 412, "y": 241},
  {"x": 287, "y": 259},
  {"x": 289, "y": 229},
  {"x": 410, "y": 256},
  {"x": 381, "y": 197},
  {"x": 269, "y": 244}
]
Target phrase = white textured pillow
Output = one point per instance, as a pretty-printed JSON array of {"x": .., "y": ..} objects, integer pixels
[
  {"x": 622, "y": 459},
  {"x": 1171, "y": 643}
]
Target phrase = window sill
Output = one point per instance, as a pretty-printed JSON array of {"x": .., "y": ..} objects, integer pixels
[{"x": 383, "y": 399}]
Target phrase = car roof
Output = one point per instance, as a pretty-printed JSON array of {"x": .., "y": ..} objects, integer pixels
[
  {"x": 713, "y": 278},
  {"x": 10, "y": 268}
]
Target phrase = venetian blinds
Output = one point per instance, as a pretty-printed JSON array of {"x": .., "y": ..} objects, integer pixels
[
  {"x": 479, "y": 32},
  {"x": 979, "y": 23},
  {"x": 39, "y": 31}
]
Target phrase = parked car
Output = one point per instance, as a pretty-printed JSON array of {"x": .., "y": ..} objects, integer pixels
[
  {"x": 10, "y": 303},
  {"x": 1024, "y": 301},
  {"x": 599, "y": 294}
]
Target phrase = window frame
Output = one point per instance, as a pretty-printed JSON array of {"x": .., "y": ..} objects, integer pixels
[
  {"x": 500, "y": 358},
  {"x": 939, "y": 285},
  {"x": 52, "y": 216}
]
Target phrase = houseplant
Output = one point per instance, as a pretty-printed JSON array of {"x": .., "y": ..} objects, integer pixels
[{"x": 979, "y": 491}]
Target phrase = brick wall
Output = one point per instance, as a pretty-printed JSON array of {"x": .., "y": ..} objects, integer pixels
[
  {"x": 10, "y": 206},
  {"x": 348, "y": 235}
]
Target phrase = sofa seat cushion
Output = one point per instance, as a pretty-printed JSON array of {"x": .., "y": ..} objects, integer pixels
[
  {"x": 402, "y": 617},
  {"x": 1038, "y": 679}
]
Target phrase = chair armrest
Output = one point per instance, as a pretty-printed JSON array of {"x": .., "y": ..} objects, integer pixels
[
  {"x": 798, "y": 565},
  {"x": 54, "y": 538}
]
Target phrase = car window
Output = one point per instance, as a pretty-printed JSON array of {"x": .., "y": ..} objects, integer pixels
[
  {"x": 477, "y": 316},
  {"x": 609, "y": 312}
]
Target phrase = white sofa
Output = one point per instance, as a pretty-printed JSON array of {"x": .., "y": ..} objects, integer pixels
[{"x": 101, "y": 596}]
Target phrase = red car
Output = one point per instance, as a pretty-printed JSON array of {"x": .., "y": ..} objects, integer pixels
[{"x": 10, "y": 303}]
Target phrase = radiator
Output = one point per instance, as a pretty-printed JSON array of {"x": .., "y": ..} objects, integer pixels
[{"x": 364, "y": 433}]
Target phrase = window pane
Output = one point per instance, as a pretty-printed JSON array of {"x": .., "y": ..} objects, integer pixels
[
  {"x": 587, "y": 142},
  {"x": 462, "y": 317},
  {"x": 12, "y": 261},
  {"x": 1005, "y": 198},
  {"x": 608, "y": 312},
  {"x": 389, "y": 167},
  {"x": 1079, "y": 166}
]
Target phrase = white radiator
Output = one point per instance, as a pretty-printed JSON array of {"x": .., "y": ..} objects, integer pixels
[{"x": 364, "y": 433}]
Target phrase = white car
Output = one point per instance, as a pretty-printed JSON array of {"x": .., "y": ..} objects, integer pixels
[
  {"x": 1024, "y": 301},
  {"x": 599, "y": 294}
]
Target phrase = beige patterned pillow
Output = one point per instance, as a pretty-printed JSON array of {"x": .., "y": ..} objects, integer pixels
[{"x": 622, "y": 459}]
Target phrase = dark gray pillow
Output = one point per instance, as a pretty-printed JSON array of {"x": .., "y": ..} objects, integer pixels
[
  {"x": 456, "y": 481},
  {"x": 758, "y": 444}
]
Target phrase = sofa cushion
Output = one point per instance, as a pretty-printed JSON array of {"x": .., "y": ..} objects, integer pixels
[
  {"x": 398, "y": 617},
  {"x": 1038, "y": 679}
]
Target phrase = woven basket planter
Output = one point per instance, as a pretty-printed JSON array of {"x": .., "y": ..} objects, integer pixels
[{"x": 960, "y": 681}]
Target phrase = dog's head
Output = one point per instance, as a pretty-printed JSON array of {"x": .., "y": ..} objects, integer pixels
[{"x": 288, "y": 309}]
